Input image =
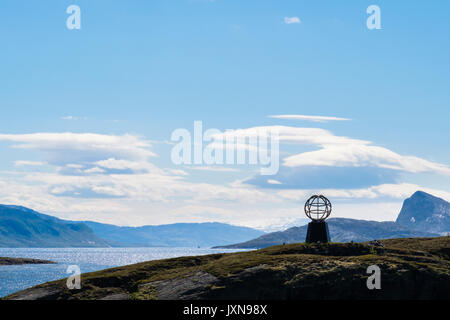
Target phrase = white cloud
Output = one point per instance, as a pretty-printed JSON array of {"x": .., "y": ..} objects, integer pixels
[
  {"x": 380, "y": 211},
  {"x": 297, "y": 135},
  {"x": 144, "y": 198},
  {"x": 73, "y": 118},
  {"x": 147, "y": 198},
  {"x": 66, "y": 148},
  {"x": 178, "y": 172},
  {"x": 21, "y": 163},
  {"x": 358, "y": 155},
  {"x": 212, "y": 168},
  {"x": 308, "y": 118},
  {"x": 290, "y": 20},
  {"x": 74, "y": 166},
  {"x": 273, "y": 181},
  {"x": 341, "y": 151},
  {"x": 95, "y": 170},
  {"x": 392, "y": 191},
  {"x": 110, "y": 179},
  {"x": 379, "y": 203},
  {"x": 121, "y": 164}
]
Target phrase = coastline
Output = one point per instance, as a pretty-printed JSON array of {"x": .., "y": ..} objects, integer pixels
[
  {"x": 17, "y": 277},
  {"x": 7, "y": 261},
  {"x": 414, "y": 268}
]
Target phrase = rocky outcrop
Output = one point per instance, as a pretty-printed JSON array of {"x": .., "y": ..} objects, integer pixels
[
  {"x": 416, "y": 268},
  {"x": 11, "y": 261},
  {"x": 189, "y": 287},
  {"x": 45, "y": 293}
]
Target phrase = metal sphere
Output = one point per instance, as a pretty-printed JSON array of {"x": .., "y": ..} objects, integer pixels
[{"x": 318, "y": 208}]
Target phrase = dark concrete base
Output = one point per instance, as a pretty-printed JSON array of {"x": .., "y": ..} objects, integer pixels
[{"x": 318, "y": 232}]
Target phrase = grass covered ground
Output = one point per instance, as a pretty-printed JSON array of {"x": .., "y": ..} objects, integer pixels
[{"x": 416, "y": 268}]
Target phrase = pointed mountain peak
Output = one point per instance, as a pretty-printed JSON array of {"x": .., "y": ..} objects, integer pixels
[
  {"x": 422, "y": 195},
  {"x": 425, "y": 212}
]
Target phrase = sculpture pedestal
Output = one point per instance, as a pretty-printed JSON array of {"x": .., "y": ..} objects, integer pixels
[{"x": 318, "y": 232}]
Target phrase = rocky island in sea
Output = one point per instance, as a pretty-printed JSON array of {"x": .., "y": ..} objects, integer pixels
[{"x": 5, "y": 261}]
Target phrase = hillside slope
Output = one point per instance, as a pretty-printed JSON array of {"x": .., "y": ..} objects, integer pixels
[
  {"x": 341, "y": 230},
  {"x": 410, "y": 269},
  {"x": 22, "y": 227}
]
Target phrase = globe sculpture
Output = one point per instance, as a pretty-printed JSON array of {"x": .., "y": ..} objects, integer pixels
[{"x": 318, "y": 208}]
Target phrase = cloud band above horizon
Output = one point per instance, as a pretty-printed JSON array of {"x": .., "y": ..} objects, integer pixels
[{"x": 308, "y": 118}]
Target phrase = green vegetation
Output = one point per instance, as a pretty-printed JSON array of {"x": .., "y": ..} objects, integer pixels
[{"x": 411, "y": 269}]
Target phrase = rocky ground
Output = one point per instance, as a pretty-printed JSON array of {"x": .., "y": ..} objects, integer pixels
[
  {"x": 415, "y": 268},
  {"x": 10, "y": 261}
]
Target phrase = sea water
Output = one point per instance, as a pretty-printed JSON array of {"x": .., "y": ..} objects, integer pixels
[{"x": 18, "y": 277}]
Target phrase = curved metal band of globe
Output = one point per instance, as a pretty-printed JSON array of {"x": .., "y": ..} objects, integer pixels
[{"x": 318, "y": 208}]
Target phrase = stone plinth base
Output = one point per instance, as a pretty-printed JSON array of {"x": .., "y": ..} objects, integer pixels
[{"x": 318, "y": 232}]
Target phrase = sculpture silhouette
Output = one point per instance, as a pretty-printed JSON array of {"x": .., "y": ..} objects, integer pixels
[{"x": 318, "y": 208}]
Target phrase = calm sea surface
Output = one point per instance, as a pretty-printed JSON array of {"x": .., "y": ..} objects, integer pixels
[{"x": 18, "y": 277}]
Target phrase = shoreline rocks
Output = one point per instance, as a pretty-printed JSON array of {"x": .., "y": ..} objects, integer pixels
[{"x": 5, "y": 261}]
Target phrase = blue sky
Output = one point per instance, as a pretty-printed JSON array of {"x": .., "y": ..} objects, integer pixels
[{"x": 138, "y": 70}]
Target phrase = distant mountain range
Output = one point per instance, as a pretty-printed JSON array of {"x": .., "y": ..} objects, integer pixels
[
  {"x": 422, "y": 215},
  {"x": 341, "y": 230},
  {"x": 23, "y": 227},
  {"x": 173, "y": 235}
]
